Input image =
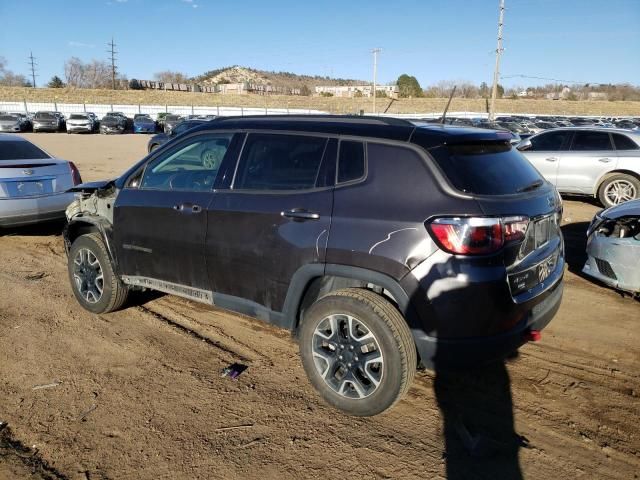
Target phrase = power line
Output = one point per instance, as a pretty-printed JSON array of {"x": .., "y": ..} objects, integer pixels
[
  {"x": 557, "y": 80},
  {"x": 375, "y": 52},
  {"x": 32, "y": 62},
  {"x": 496, "y": 71},
  {"x": 113, "y": 52}
]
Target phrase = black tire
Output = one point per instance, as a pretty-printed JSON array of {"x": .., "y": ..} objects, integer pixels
[
  {"x": 392, "y": 336},
  {"x": 621, "y": 179},
  {"x": 114, "y": 292},
  {"x": 153, "y": 147}
]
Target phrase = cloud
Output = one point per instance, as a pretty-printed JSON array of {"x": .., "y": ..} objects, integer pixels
[
  {"x": 195, "y": 5},
  {"x": 71, "y": 43},
  {"x": 121, "y": 1},
  {"x": 187, "y": 1}
]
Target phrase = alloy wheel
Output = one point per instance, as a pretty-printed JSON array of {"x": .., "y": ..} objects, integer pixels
[
  {"x": 620, "y": 191},
  {"x": 88, "y": 276},
  {"x": 347, "y": 356}
]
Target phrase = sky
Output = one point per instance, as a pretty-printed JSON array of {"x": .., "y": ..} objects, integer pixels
[{"x": 583, "y": 41}]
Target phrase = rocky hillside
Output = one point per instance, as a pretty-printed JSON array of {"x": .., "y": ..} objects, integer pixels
[{"x": 237, "y": 74}]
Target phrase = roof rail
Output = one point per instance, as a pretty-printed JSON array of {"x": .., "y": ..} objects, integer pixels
[{"x": 352, "y": 119}]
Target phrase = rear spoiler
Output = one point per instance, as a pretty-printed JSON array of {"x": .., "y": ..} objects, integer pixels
[{"x": 91, "y": 187}]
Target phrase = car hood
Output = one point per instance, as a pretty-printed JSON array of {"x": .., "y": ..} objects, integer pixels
[
  {"x": 111, "y": 122},
  {"x": 627, "y": 209},
  {"x": 79, "y": 121}
]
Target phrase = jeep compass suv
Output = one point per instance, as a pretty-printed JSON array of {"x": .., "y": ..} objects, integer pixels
[{"x": 383, "y": 244}]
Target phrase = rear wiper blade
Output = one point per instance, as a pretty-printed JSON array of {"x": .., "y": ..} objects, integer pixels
[{"x": 531, "y": 186}]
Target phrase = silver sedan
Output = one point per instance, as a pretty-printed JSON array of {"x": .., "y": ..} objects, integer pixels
[
  {"x": 33, "y": 184},
  {"x": 600, "y": 162}
]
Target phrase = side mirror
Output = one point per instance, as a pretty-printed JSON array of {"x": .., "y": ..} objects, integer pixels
[{"x": 524, "y": 145}]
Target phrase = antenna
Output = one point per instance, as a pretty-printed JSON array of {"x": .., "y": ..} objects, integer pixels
[
  {"x": 32, "y": 62},
  {"x": 446, "y": 109},
  {"x": 113, "y": 52},
  {"x": 496, "y": 71}
]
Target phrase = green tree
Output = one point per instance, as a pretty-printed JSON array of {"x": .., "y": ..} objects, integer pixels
[
  {"x": 55, "y": 82},
  {"x": 408, "y": 86},
  {"x": 484, "y": 90},
  {"x": 500, "y": 91}
]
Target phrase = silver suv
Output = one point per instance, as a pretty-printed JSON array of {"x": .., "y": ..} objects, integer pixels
[{"x": 602, "y": 162}]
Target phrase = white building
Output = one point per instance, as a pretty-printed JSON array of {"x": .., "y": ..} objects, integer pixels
[{"x": 352, "y": 90}]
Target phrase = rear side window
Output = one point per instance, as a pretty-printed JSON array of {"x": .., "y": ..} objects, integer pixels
[
  {"x": 591, "y": 141},
  {"x": 549, "y": 142},
  {"x": 623, "y": 142},
  {"x": 20, "y": 150},
  {"x": 486, "y": 168},
  {"x": 279, "y": 162},
  {"x": 351, "y": 161}
]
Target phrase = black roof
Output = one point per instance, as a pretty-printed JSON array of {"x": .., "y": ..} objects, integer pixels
[{"x": 367, "y": 126}]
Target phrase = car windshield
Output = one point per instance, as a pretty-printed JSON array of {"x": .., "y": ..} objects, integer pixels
[
  {"x": 172, "y": 117},
  {"x": 9, "y": 118},
  {"x": 139, "y": 116},
  {"x": 45, "y": 116},
  {"x": 20, "y": 150},
  {"x": 78, "y": 116}
]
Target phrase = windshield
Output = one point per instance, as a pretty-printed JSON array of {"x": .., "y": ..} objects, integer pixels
[
  {"x": 172, "y": 117},
  {"x": 45, "y": 115},
  {"x": 9, "y": 118},
  {"x": 486, "y": 168},
  {"x": 78, "y": 116},
  {"x": 20, "y": 150}
]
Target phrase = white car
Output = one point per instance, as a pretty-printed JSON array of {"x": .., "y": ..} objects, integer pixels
[{"x": 33, "y": 184}]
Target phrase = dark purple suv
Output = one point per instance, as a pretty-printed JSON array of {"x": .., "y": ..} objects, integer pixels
[{"x": 383, "y": 244}]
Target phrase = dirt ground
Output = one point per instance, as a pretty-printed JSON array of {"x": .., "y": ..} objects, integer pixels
[{"x": 137, "y": 394}]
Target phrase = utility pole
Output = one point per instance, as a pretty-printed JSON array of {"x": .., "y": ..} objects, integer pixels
[
  {"x": 32, "y": 62},
  {"x": 375, "y": 52},
  {"x": 112, "y": 51},
  {"x": 496, "y": 71}
]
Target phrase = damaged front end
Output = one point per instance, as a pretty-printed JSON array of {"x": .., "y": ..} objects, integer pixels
[
  {"x": 92, "y": 210},
  {"x": 613, "y": 247}
]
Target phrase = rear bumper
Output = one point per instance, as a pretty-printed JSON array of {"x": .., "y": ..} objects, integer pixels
[
  {"x": 466, "y": 352},
  {"x": 24, "y": 211}
]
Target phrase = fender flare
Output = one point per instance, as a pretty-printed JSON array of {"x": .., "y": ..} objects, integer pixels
[
  {"x": 307, "y": 273},
  {"x": 100, "y": 224}
]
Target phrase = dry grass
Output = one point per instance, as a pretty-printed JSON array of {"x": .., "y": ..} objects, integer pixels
[{"x": 331, "y": 104}]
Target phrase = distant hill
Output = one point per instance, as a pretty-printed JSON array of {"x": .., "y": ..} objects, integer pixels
[{"x": 237, "y": 74}]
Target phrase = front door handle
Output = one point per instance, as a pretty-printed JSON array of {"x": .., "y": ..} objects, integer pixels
[
  {"x": 187, "y": 208},
  {"x": 551, "y": 159},
  {"x": 300, "y": 214},
  {"x": 604, "y": 160}
]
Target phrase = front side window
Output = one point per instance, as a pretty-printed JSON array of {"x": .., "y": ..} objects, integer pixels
[
  {"x": 279, "y": 162},
  {"x": 591, "y": 141},
  {"x": 192, "y": 165},
  {"x": 549, "y": 142}
]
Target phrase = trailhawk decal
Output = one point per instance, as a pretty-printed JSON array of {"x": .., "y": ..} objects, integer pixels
[{"x": 205, "y": 296}]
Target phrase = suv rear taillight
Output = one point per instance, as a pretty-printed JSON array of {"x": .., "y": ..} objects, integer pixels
[
  {"x": 75, "y": 174},
  {"x": 477, "y": 235}
]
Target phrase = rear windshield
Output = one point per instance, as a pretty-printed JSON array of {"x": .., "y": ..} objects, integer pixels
[
  {"x": 20, "y": 150},
  {"x": 486, "y": 168},
  {"x": 46, "y": 115}
]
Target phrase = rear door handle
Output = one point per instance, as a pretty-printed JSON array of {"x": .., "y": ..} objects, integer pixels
[
  {"x": 300, "y": 214},
  {"x": 551, "y": 159},
  {"x": 604, "y": 160},
  {"x": 187, "y": 208}
]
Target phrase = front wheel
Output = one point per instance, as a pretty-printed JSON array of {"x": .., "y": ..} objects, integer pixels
[
  {"x": 618, "y": 188},
  {"x": 94, "y": 283},
  {"x": 357, "y": 351}
]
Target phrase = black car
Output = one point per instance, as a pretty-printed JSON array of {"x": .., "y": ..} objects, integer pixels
[
  {"x": 162, "y": 138},
  {"x": 170, "y": 121},
  {"x": 381, "y": 243},
  {"x": 113, "y": 123}
]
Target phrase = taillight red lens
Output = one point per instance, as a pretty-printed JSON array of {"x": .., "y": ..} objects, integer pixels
[
  {"x": 476, "y": 235},
  {"x": 75, "y": 174}
]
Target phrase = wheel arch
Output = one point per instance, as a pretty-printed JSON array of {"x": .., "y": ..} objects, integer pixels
[
  {"x": 312, "y": 282},
  {"x": 604, "y": 177},
  {"x": 83, "y": 225}
]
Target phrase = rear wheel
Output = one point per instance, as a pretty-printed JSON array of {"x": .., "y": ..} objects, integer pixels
[
  {"x": 92, "y": 278},
  {"x": 357, "y": 351},
  {"x": 618, "y": 188}
]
